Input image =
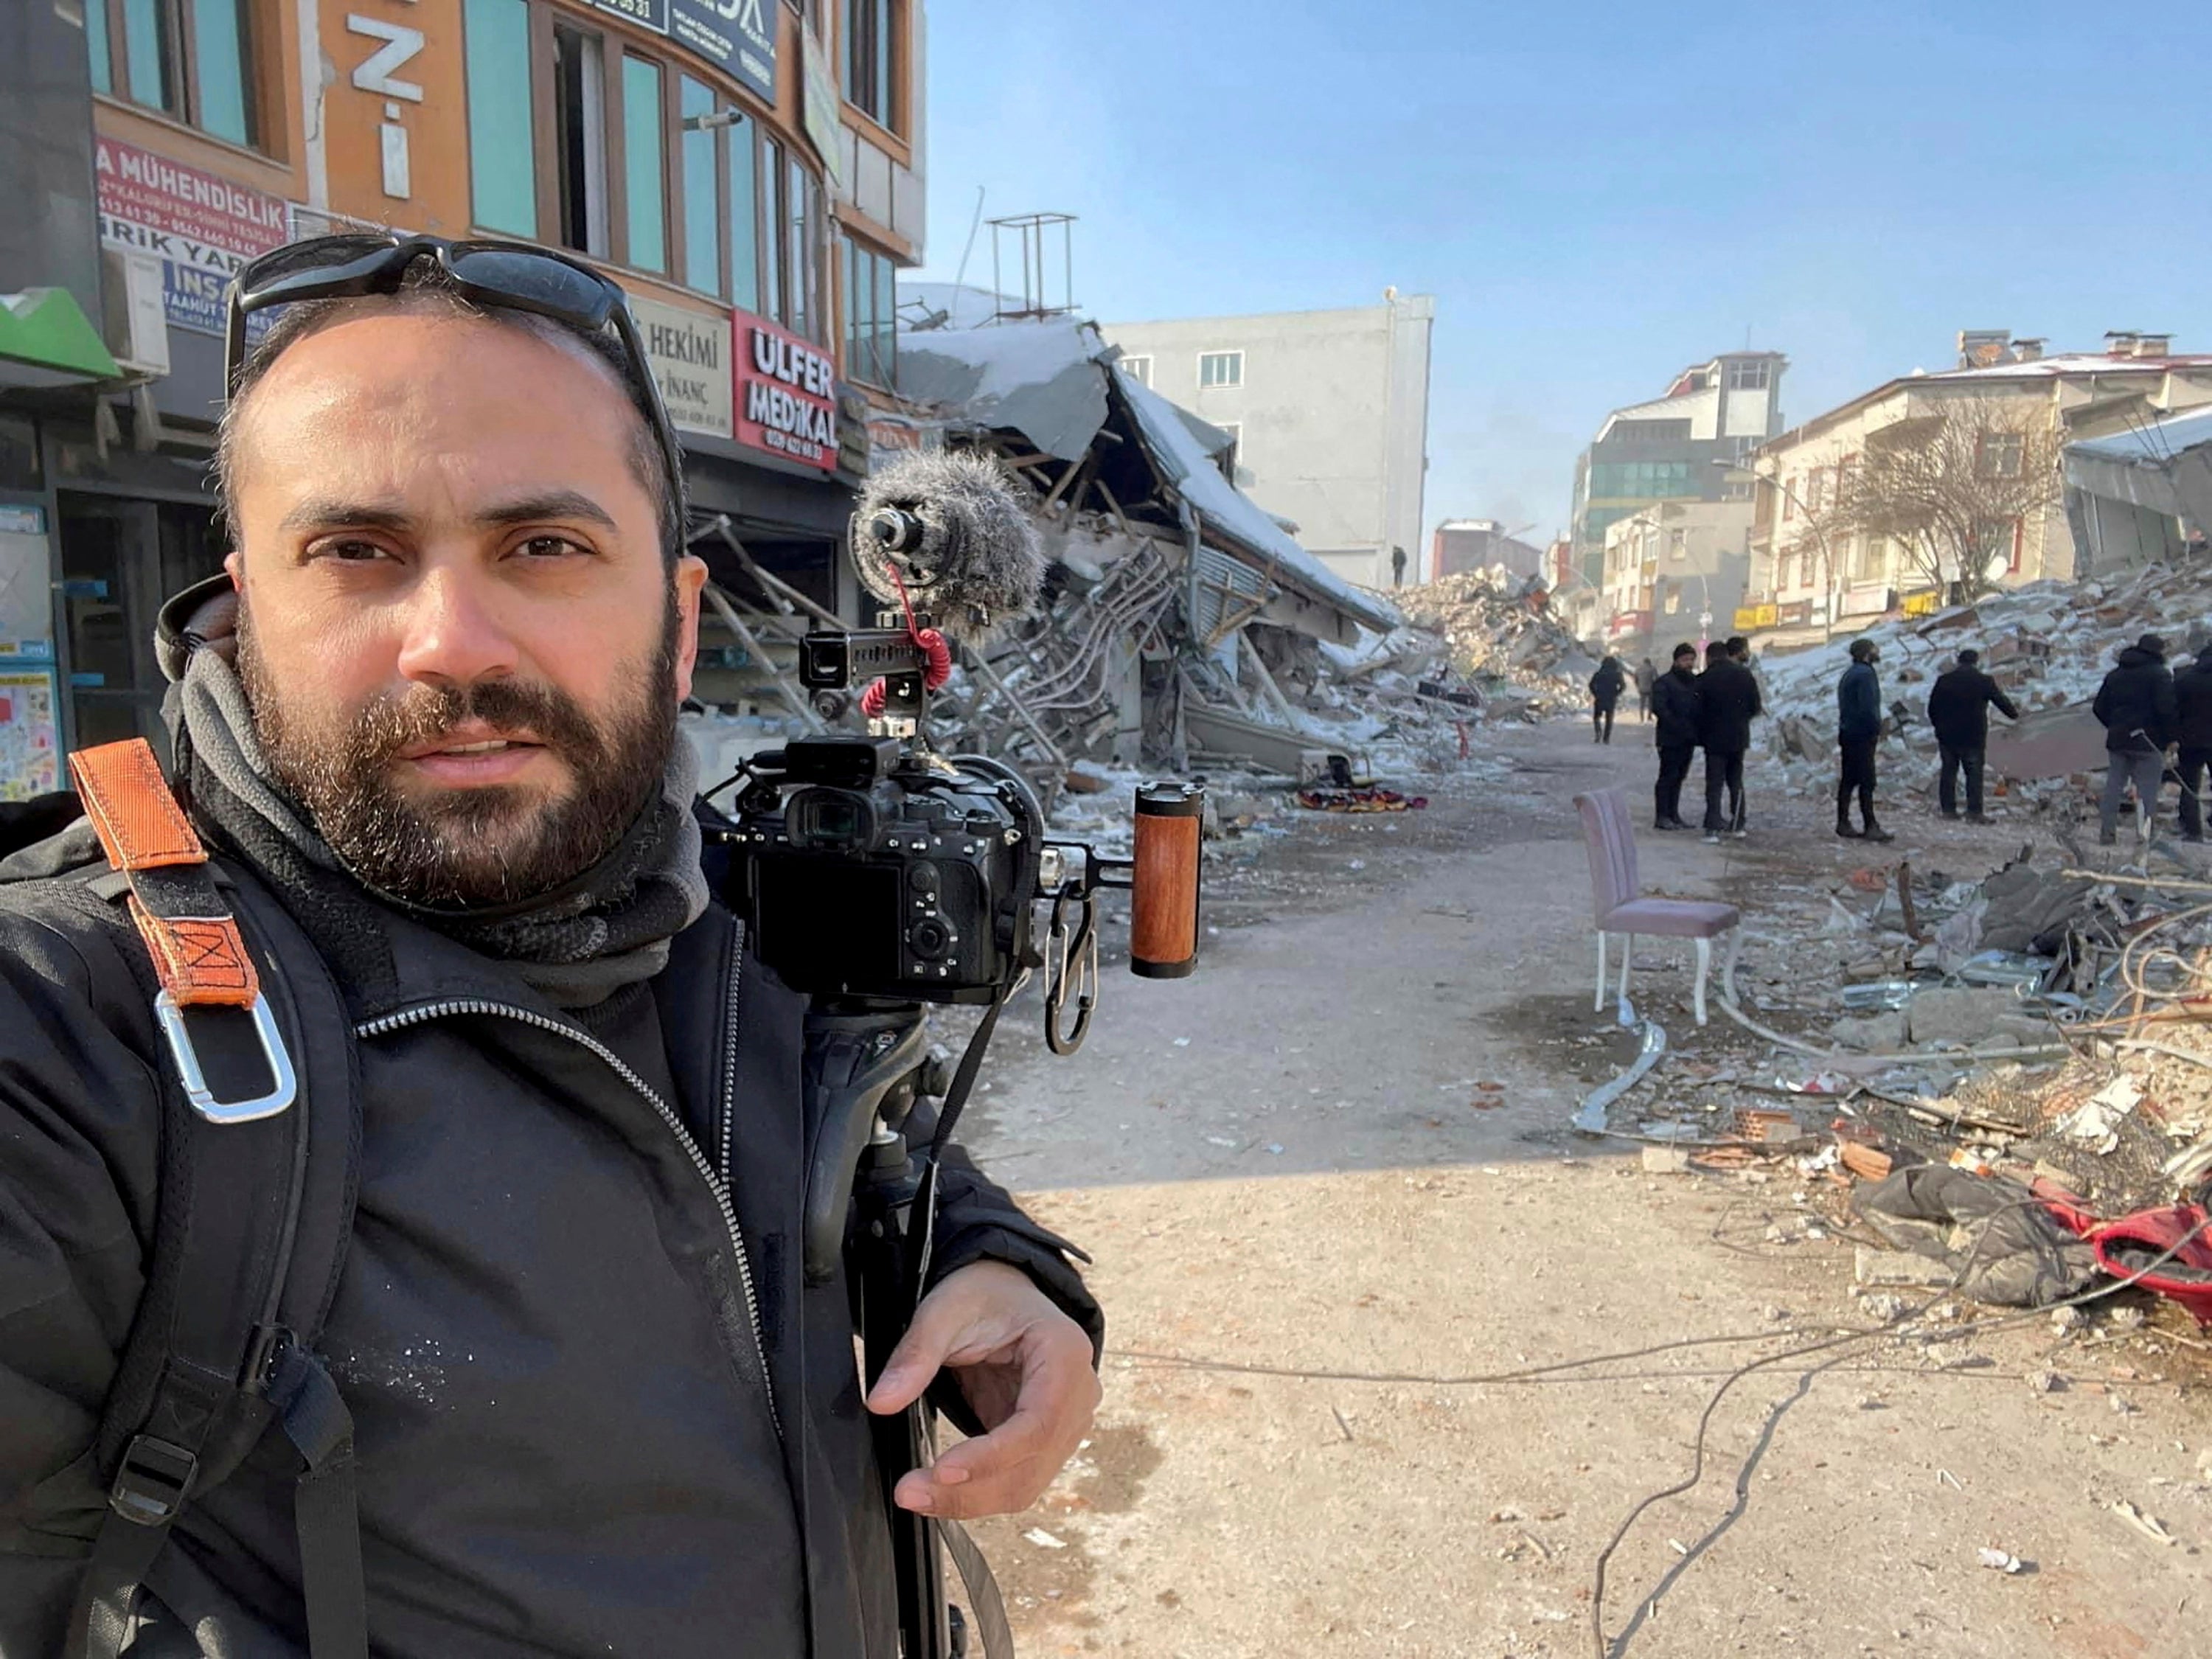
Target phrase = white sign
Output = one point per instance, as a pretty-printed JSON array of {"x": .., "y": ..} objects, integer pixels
[{"x": 691, "y": 357}]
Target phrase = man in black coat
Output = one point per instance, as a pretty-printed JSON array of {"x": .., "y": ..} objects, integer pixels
[
  {"x": 1675, "y": 702},
  {"x": 2135, "y": 706},
  {"x": 1606, "y": 687},
  {"x": 1959, "y": 705},
  {"x": 598, "y": 1404},
  {"x": 1728, "y": 702},
  {"x": 2193, "y": 731}
]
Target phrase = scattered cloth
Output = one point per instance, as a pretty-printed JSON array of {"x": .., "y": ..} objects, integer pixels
[{"x": 1998, "y": 1237}]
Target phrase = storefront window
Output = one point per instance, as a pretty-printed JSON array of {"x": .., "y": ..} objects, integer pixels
[
  {"x": 702, "y": 191},
  {"x": 643, "y": 170},
  {"x": 740, "y": 144},
  {"x": 502, "y": 175}
]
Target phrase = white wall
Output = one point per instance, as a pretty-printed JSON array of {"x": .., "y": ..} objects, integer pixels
[{"x": 1332, "y": 420}]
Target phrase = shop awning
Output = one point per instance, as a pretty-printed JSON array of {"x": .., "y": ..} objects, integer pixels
[{"x": 45, "y": 339}]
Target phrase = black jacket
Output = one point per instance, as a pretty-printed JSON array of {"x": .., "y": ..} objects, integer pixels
[
  {"x": 565, "y": 1444},
  {"x": 2192, "y": 704},
  {"x": 1959, "y": 705},
  {"x": 2136, "y": 703},
  {"x": 1610, "y": 680},
  {"x": 1728, "y": 702},
  {"x": 1675, "y": 704}
]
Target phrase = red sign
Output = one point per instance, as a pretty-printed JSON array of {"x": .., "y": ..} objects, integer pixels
[
  {"x": 182, "y": 214},
  {"x": 787, "y": 394},
  {"x": 1630, "y": 622}
]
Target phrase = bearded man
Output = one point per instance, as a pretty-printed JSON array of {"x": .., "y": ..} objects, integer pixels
[{"x": 425, "y": 726}]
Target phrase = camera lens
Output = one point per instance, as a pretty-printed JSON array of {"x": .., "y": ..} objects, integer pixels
[{"x": 929, "y": 938}]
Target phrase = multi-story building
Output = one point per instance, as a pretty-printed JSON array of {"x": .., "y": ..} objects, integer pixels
[
  {"x": 1463, "y": 544},
  {"x": 1666, "y": 449},
  {"x": 1674, "y": 571},
  {"x": 751, "y": 171},
  {"x": 1816, "y": 565},
  {"x": 1330, "y": 413}
]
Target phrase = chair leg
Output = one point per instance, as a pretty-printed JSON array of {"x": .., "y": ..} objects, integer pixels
[
  {"x": 1627, "y": 956},
  {"x": 1597, "y": 1003},
  {"x": 1704, "y": 967},
  {"x": 1728, "y": 967}
]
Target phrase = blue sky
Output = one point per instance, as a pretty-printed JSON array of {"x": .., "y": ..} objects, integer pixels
[{"x": 1596, "y": 194}]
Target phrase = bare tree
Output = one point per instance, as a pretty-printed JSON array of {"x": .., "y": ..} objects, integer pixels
[{"x": 1954, "y": 488}]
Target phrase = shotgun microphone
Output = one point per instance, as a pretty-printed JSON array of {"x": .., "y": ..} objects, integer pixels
[{"x": 947, "y": 533}]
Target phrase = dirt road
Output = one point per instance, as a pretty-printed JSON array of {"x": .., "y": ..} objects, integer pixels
[{"x": 1290, "y": 1164}]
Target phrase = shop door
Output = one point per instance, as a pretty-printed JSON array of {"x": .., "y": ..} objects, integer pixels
[{"x": 119, "y": 559}]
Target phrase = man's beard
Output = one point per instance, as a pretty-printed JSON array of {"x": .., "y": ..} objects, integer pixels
[{"x": 471, "y": 848}]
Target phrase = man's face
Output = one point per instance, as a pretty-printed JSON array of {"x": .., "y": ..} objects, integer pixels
[{"x": 463, "y": 651}]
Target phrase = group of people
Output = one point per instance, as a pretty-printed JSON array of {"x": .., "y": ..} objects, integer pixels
[
  {"x": 1712, "y": 711},
  {"x": 2147, "y": 709},
  {"x": 2158, "y": 725}
]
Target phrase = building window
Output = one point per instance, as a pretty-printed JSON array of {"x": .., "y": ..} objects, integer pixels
[
  {"x": 1644, "y": 480},
  {"x": 580, "y": 142},
  {"x": 773, "y": 174},
  {"x": 1220, "y": 368},
  {"x": 872, "y": 38},
  {"x": 1873, "y": 559},
  {"x": 2000, "y": 454},
  {"x": 1678, "y": 544},
  {"x": 740, "y": 151},
  {"x": 1996, "y": 538},
  {"x": 1673, "y": 600},
  {"x": 802, "y": 204},
  {"x": 1749, "y": 376},
  {"x": 1816, "y": 489},
  {"x": 1789, "y": 503},
  {"x": 1139, "y": 369},
  {"x": 702, "y": 188},
  {"x": 191, "y": 59},
  {"x": 503, "y": 174},
  {"x": 871, "y": 326},
  {"x": 644, "y": 170}
]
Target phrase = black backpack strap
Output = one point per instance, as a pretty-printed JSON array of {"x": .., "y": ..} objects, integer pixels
[{"x": 260, "y": 1157}]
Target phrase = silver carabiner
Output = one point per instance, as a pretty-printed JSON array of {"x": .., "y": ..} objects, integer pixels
[{"x": 280, "y": 1097}]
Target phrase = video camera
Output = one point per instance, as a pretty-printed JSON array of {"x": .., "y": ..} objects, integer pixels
[{"x": 879, "y": 875}]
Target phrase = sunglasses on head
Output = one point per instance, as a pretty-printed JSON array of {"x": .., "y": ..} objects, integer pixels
[{"x": 509, "y": 275}]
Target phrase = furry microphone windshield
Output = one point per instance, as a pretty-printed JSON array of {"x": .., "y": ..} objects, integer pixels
[{"x": 952, "y": 529}]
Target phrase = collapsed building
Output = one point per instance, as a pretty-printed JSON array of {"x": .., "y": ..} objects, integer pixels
[{"x": 1182, "y": 625}]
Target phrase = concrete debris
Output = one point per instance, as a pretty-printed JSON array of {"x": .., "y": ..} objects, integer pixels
[
  {"x": 2002, "y": 1561},
  {"x": 1503, "y": 641},
  {"x": 1873, "y": 1267},
  {"x": 1666, "y": 1160},
  {"x": 2149, "y": 1525},
  {"x": 2044, "y": 1381}
]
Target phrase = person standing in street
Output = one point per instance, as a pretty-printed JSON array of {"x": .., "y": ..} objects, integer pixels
[
  {"x": 1647, "y": 676},
  {"x": 1859, "y": 730},
  {"x": 2192, "y": 730},
  {"x": 2135, "y": 706},
  {"x": 1675, "y": 702},
  {"x": 1739, "y": 650},
  {"x": 1606, "y": 687},
  {"x": 1728, "y": 702},
  {"x": 1959, "y": 705}
]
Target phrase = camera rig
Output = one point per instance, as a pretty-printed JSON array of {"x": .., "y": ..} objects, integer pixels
[{"x": 879, "y": 876}]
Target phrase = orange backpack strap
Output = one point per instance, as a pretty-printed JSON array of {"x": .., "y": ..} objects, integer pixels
[{"x": 199, "y": 952}]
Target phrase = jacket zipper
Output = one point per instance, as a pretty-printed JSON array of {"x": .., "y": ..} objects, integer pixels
[
  {"x": 430, "y": 1011},
  {"x": 736, "y": 977}
]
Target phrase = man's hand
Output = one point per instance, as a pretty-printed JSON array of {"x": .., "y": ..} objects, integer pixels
[{"x": 1024, "y": 1366}]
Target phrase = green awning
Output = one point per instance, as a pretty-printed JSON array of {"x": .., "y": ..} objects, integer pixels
[{"x": 47, "y": 327}]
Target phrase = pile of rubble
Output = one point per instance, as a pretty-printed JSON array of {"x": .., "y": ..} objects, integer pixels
[
  {"x": 2034, "y": 1045},
  {"x": 1503, "y": 639},
  {"x": 2048, "y": 645}
]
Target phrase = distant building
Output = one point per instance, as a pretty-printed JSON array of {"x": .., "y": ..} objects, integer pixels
[
  {"x": 1665, "y": 450},
  {"x": 1675, "y": 571},
  {"x": 1330, "y": 413},
  {"x": 1816, "y": 569},
  {"x": 1463, "y": 545}
]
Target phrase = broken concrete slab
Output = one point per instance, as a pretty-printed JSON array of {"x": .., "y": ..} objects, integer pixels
[
  {"x": 1962, "y": 1014},
  {"x": 1875, "y": 1034}
]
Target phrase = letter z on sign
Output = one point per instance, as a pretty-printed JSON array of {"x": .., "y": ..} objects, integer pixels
[{"x": 377, "y": 70}]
